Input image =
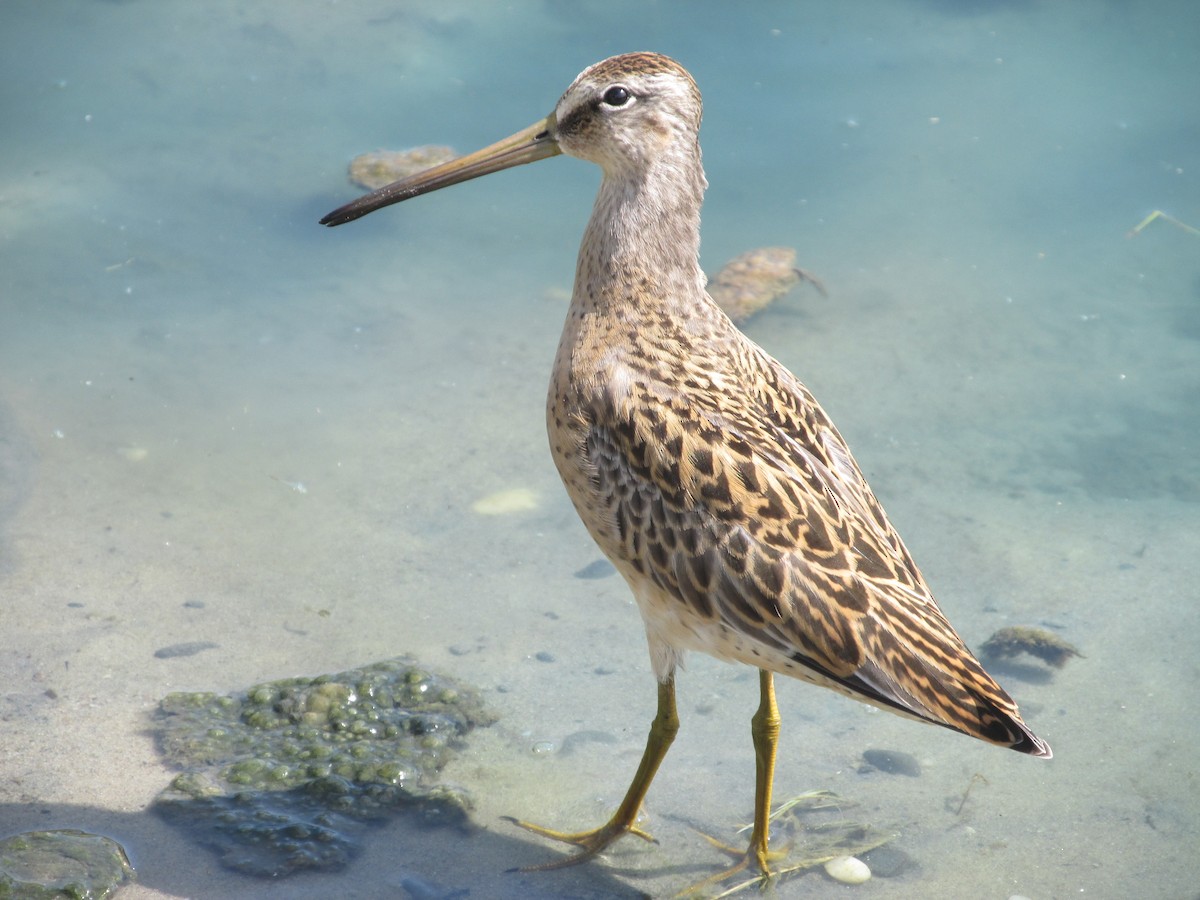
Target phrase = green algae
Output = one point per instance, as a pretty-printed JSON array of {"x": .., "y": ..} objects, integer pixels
[
  {"x": 283, "y": 777},
  {"x": 40, "y": 865}
]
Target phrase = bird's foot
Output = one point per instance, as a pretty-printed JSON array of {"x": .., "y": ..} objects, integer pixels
[
  {"x": 590, "y": 842},
  {"x": 760, "y": 856},
  {"x": 804, "y": 845},
  {"x": 752, "y": 859}
]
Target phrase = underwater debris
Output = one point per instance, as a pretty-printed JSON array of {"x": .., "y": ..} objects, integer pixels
[
  {"x": 283, "y": 777},
  {"x": 1159, "y": 214},
  {"x": 506, "y": 502},
  {"x": 755, "y": 279},
  {"x": 977, "y": 778},
  {"x": 374, "y": 170},
  {"x": 1045, "y": 645},
  {"x": 50, "y": 865}
]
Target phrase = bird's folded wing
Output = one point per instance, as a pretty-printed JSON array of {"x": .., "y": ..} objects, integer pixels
[{"x": 758, "y": 517}]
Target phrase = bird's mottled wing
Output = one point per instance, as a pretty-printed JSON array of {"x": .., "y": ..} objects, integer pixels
[{"x": 753, "y": 512}]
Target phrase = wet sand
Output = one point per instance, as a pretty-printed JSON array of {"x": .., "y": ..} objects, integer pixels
[{"x": 182, "y": 349}]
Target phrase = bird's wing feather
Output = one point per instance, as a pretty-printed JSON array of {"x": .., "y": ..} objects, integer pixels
[{"x": 757, "y": 516}]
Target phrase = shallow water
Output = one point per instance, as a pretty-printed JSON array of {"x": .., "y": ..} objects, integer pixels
[{"x": 182, "y": 347}]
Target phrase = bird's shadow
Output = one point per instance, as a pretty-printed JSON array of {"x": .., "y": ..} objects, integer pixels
[
  {"x": 400, "y": 858},
  {"x": 1015, "y": 670}
]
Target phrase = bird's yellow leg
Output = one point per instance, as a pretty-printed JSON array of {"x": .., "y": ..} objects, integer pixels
[
  {"x": 662, "y": 733},
  {"x": 764, "y": 730}
]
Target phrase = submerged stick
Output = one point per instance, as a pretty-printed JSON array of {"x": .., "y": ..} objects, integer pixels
[{"x": 1159, "y": 214}]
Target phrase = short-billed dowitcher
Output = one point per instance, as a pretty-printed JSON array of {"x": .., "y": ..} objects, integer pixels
[{"x": 703, "y": 468}]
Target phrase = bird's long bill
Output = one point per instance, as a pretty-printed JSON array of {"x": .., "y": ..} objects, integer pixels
[{"x": 526, "y": 146}]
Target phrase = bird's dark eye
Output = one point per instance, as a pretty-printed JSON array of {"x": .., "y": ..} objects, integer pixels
[{"x": 617, "y": 96}]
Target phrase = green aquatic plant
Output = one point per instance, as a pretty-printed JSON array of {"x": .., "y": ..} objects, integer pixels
[
  {"x": 282, "y": 777},
  {"x": 65, "y": 863}
]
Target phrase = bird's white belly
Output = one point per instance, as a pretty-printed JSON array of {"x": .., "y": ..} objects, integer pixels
[{"x": 673, "y": 628}]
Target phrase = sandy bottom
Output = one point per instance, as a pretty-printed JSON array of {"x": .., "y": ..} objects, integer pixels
[{"x": 220, "y": 422}]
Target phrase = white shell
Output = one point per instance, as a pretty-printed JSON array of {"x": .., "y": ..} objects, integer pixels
[{"x": 848, "y": 870}]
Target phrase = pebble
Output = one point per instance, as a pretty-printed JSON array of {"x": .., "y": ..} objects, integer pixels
[
  {"x": 601, "y": 568},
  {"x": 888, "y": 861},
  {"x": 848, "y": 870},
  {"x": 188, "y": 648},
  {"x": 894, "y": 762},
  {"x": 420, "y": 889}
]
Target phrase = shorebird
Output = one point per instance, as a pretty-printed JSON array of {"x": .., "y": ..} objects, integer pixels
[{"x": 705, "y": 471}]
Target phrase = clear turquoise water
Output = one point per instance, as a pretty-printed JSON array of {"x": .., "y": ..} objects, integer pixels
[{"x": 181, "y": 345}]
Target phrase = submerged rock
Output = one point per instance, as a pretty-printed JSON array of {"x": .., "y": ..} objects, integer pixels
[
  {"x": 40, "y": 865},
  {"x": 283, "y": 777},
  {"x": 375, "y": 170},
  {"x": 755, "y": 279},
  {"x": 1038, "y": 642}
]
